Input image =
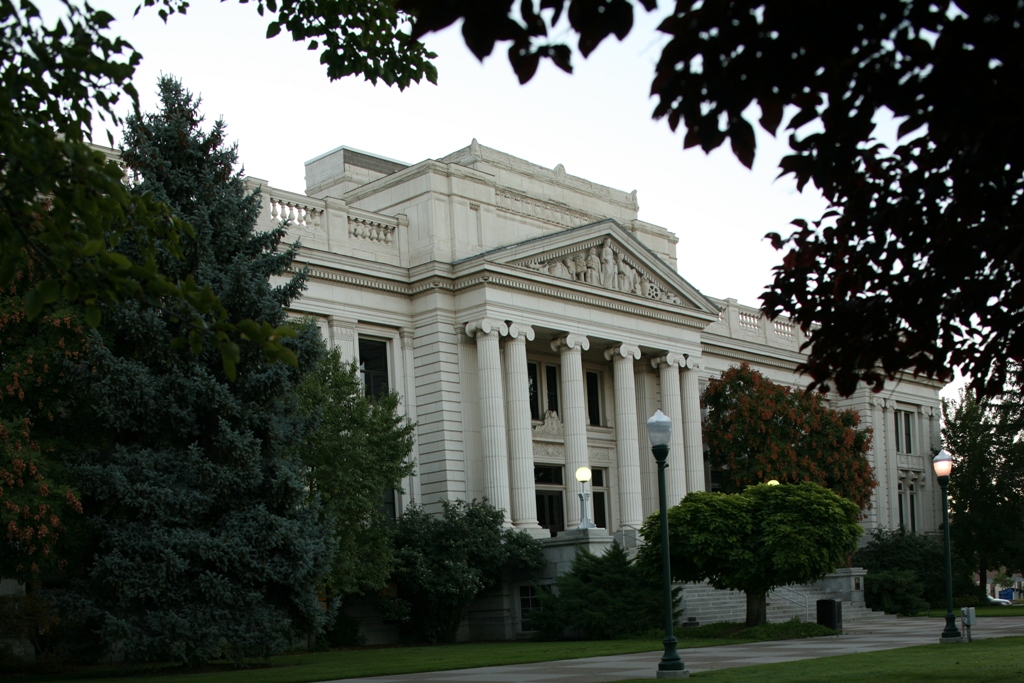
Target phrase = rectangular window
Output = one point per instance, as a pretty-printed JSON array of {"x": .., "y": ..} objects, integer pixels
[
  {"x": 529, "y": 604},
  {"x": 913, "y": 508},
  {"x": 551, "y": 379},
  {"x": 904, "y": 431},
  {"x": 373, "y": 366},
  {"x": 388, "y": 504},
  {"x": 550, "y": 497},
  {"x": 594, "y": 399},
  {"x": 533, "y": 377},
  {"x": 599, "y": 488},
  {"x": 899, "y": 499}
]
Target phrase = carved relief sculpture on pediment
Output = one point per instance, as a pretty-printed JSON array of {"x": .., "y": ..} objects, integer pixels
[{"x": 603, "y": 265}]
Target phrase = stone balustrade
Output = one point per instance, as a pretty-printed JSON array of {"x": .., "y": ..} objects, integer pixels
[{"x": 745, "y": 322}]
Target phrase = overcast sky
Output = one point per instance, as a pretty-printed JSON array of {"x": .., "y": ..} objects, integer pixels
[{"x": 282, "y": 110}]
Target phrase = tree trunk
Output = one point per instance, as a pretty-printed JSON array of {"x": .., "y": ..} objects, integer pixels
[
  {"x": 757, "y": 608},
  {"x": 983, "y": 575}
]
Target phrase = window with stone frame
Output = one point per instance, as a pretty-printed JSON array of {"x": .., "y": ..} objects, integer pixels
[
  {"x": 599, "y": 493},
  {"x": 544, "y": 389},
  {"x": 592, "y": 382},
  {"x": 529, "y": 604},
  {"x": 549, "y": 485},
  {"x": 373, "y": 366},
  {"x": 904, "y": 431}
]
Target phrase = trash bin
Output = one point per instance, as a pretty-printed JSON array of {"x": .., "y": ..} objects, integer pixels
[{"x": 830, "y": 614}]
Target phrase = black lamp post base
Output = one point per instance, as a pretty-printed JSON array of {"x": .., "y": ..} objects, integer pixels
[
  {"x": 946, "y": 640},
  {"x": 683, "y": 673}
]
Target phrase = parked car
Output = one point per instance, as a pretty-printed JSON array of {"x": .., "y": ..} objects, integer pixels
[{"x": 998, "y": 601}]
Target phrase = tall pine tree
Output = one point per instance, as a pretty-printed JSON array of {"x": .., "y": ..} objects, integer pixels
[{"x": 204, "y": 543}]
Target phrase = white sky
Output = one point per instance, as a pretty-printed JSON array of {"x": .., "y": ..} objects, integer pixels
[{"x": 281, "y": 108}]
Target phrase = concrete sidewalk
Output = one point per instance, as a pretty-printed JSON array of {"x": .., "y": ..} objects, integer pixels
[{"x": 865, "y": 636}]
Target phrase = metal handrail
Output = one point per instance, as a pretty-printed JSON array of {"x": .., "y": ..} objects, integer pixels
[{"x": 806, "y": 603}]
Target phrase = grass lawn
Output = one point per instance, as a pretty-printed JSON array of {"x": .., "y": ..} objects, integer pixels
[
  {"x": 995, "y": 660},
  {"x": 986, "y": 611},
  {"x": 321, "y": 666}
]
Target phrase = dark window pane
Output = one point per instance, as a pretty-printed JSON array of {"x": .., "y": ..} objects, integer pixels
[
  {"x": 529, "y": 604},
  {"x": 551, "y": 379},
  {"x": 547, "y": 474},
  {"x": 388, "y": 507},
  {"x": 898, "y": 432},
  {"x": 907, "y": 421},
  {"x": 600, "y": 510},
  {"x": 594, "y": 399},
  {"x": 899, "y": 497},
  {"x": 531, "y": 373},
  {"x": 373, "y": 364},
  {"x": 550, "y": 513},
  {"x": 597, "y": 477}
]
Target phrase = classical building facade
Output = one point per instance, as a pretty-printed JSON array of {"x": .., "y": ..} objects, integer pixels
[{"x": 532, "y": 323}]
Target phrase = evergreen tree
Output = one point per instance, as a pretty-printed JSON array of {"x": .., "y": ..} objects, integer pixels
[{"x": 203, "y": 541}]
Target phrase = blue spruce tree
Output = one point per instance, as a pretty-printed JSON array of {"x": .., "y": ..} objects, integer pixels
[{"x": 203, "y": 541}]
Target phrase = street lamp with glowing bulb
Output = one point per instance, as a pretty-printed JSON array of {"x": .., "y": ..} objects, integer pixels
[
  {"x": 583, "y": 475},
  {"x": 943, "y": 465},
  {"x": 659, "y": 429}
]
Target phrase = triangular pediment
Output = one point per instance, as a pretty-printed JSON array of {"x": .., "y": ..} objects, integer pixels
[{"x": 606, "y": 258}]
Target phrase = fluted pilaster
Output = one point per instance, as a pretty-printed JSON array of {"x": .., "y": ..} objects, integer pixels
[
  {"x": 671, "y": 405},
  {"x": 520, "y": 433},
  {"x": 493, "y": 438},
  {"x": 343, "y": 337},
  {"x": 627, "y": 442},
  {"x": 691, "y": 426},
  {"x": 571, "y": 347}
]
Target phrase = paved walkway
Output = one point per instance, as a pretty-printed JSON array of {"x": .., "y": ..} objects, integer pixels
[{"x": 866, "y": 636}]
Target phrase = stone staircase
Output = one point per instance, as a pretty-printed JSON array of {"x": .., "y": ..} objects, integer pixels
[{"x": 706, "y": 605}]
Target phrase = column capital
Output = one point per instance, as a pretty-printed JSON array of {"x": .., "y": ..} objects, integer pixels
[
  {"x": 517, "y": 330},
  {"x": 345, "y": 329},
  {"x": 676, "y": 359},
  {"x": 693, "y": 363},
  {"x": 570, "y": 341},
  {"x": 485, "y": 327},
  {"x": 622, "y": 351}
]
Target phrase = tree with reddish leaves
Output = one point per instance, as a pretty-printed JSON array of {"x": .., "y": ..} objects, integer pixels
[
  {"x": 758, "y": 430},
  {"x": 36, "y": 500}
]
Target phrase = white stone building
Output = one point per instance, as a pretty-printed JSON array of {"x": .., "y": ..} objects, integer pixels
[{"x": 532, "y": 323}]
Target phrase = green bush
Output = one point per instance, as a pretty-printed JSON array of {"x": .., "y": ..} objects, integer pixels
[
  {"x": 442, "y": 563},
  {"x": 787, "y": 630},
  {"x": 924, "y": 556},
  {"x": 897, "y": 591},
  {"x": 599, "y": 598}
]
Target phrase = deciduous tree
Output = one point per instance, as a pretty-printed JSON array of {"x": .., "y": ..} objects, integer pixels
[
  {"x": 444, "y": 562},
  {"x": 755, "y": 541},
  {"x": 359, "y": 448},
  {"x": 757, "y": 430},
  {"x": 917, "y": 263}
]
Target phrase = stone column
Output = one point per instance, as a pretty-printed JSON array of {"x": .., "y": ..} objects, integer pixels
[
  {"x": 691, "y": 426},
  {"x": 627, "y": 440},
  {"x": 574, "y": 417},
  {"x": 671, "y": 405},
  {"x": 343, "y": 337},
  {"x": 520, "y": 432},
  {"x": 646, "y": 405},
  {"x": 493, "y": 438},
  {"x": 892, "y": 463}
]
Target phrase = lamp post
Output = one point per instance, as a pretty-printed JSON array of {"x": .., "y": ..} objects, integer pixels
[
  {"x": 943, "y": 464},
  {"x": 583, "y": 476},
  {"x": 659, "y": 429}
]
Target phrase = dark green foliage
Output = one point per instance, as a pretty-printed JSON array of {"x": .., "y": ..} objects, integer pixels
[
  {"x": 765, "y": 537},
  {"x": 444, "y": 562},
  {"x": 601, "y": 597},
  {"x": 924, "y": 556},
  {"x": 787, "y": 630},
  {"x": 204, "y": 543},
  {"x": 359, "y": 448},
  {"x": 897, "y": 591}
]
